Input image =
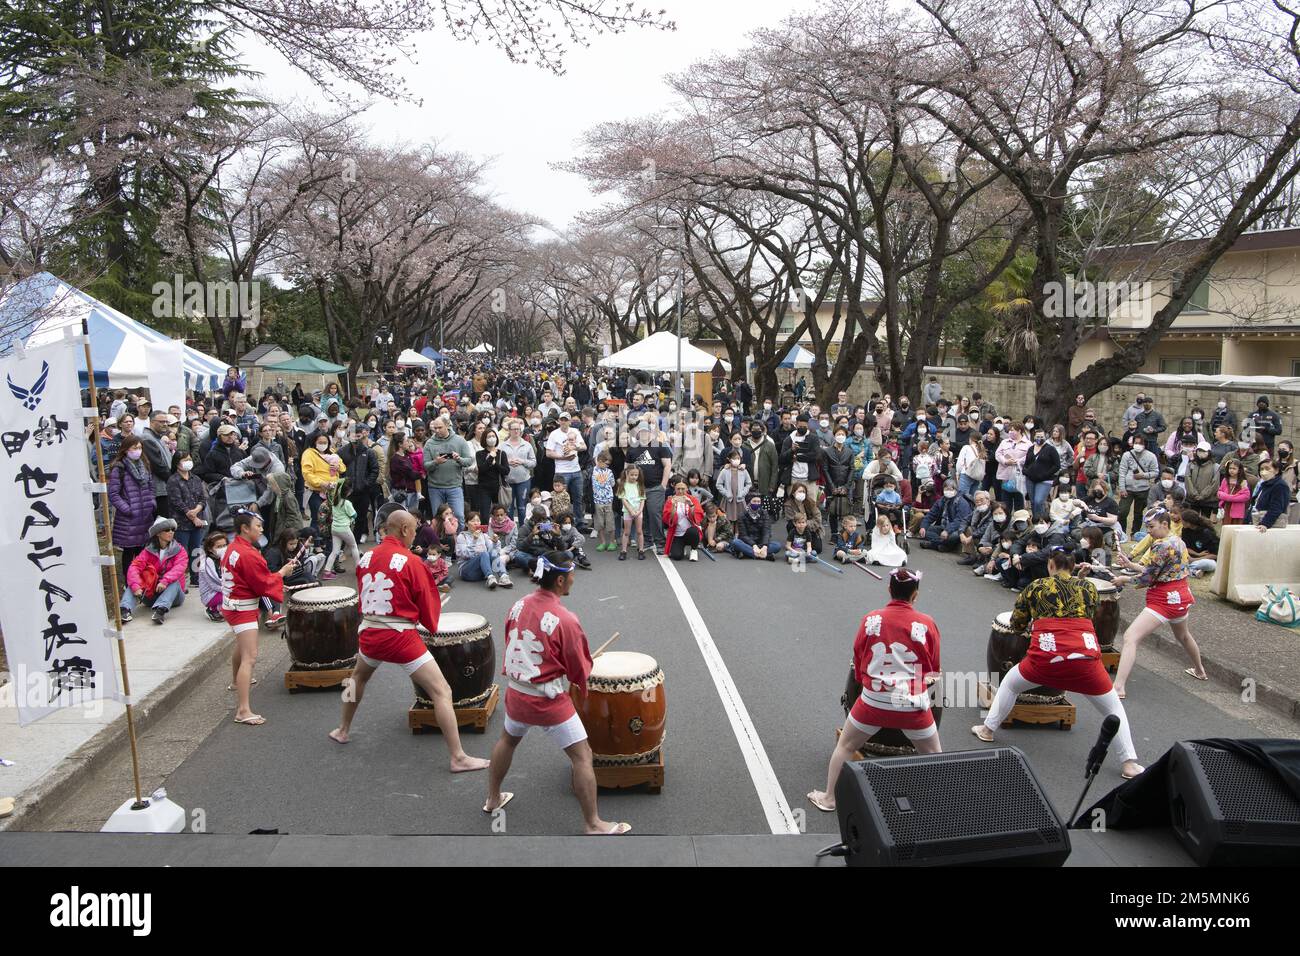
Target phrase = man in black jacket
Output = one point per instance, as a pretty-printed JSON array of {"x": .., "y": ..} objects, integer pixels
[
  {"x": 801, "y": 455},
  {"x": 1265, "y": 422},
  {"x": 216, "y": 464},
  {"x": 363, "y": 477}
]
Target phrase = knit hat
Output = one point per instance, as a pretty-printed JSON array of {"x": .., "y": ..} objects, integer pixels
[{"x": 161, "y": 525}]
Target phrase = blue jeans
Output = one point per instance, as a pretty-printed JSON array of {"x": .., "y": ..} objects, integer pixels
[
  {"x": 741, "y": 549},
  {"x": 191, "y": 539},
  {"x": 519, "y": 497},
  {"x": 967, "y": 485},
  {"x": 479, "y": 567},
  {"x": 171, "y": 597},
  {"x": 1039, "y": 491},
  {"x": 452, "y": 496}
]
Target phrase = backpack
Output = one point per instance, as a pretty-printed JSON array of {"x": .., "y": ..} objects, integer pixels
[{"x": 1280, "y": 606}]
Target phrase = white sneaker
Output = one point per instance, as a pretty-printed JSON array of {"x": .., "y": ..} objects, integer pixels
[
  {"x": 992, "y": 577},
  {"x": 505, "y": 580},
  {"x": 491, "y": 582},
  {"x": 593, "y": 534},
  {"x": 694, "y": 555},
  {"x": 363, "y": 540}
]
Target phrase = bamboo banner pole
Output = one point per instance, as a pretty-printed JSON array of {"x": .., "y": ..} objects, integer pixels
[{"x": 140, "y": 803}]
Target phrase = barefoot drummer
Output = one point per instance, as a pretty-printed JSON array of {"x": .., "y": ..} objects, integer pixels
[
  {"x": 546, "y": 652},
  {"x": 396, "y": 592},
  {"x": 895, "y": 651}
]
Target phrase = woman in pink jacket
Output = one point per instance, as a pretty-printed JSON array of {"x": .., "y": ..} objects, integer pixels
[
  {"x": 1234, "y": 492},
  {"x": 158, "y": 573},
  {"x": 1010, "y": 456}
]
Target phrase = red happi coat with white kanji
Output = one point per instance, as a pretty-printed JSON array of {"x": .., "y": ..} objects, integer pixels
[
  {"x": 895, "y": 648},
  {"x": 392, "y": 581},
  {"x": 245, "y": 577},
  {"x": 545, "y": 648}
]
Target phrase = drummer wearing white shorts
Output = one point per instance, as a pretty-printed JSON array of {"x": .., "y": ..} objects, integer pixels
[
  {"x": 546, "y": 653},
  {"x": 396, "y": 592}
]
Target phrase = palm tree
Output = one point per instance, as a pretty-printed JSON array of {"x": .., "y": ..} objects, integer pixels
[{"x": 1015, "y": 333}]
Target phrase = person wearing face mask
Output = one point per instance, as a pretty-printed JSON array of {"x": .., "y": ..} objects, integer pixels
[
  {"x": 919, "y": 429},
  {"x": 802, "y": 502},
  {"x": 1138, "y": 468},
  {"x": 1286, "y": 464},
  {"x": 1223, "y": 415},
  {"x": 990, "y": 541},
  {"x": 1041, "y": 467},
  {"x": 187, "y": 501},
  {"x": 943, "y": 523},
  {"x": 753, "y": 537},
  {"x": 976, "y": 526},
  {"x": 838, "y": 467},
  {"x": 1272, "y": 498},
  {"x": 130, "y": 495},
  {"x": 214, "y": 549},
  {"x": 322, "y": 469},
  {"x": 801, "y": 455},
  {"x": 1202, "y": 481},
  {"x": 769, "y": 417}
]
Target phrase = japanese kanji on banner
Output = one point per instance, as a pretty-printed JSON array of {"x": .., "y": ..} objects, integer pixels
[{"x": 51, "y": 599}]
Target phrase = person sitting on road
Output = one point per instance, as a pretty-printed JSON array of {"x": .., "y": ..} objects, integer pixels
[
  {"x": 981, "y": 517},
  {"x": 717, "y": 531},
  {"x": 802, "y": 503},
  {"x": 214, "y": 546},
  {"x": 943, "y": 524},
  {"x": 849, "y": 544},
  {"x": 480, "y": 555},
  {"x": 990, "y": 540},
  {"x": 799, "y": 543},
  {"x": 754, "y": 532}
]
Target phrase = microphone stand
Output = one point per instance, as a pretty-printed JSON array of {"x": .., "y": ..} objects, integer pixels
[{"x": 1096, "y": 756}]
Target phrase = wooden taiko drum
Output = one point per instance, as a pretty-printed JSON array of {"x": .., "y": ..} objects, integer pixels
[
  {"x": 624, "y": 710},
  {"x": 321, "y": 628},
  {"x": 463, "y": 650},
  {"x": 888, "y": 741},
  {"x": 1006, "y": 649},
  {"x": 1106, "y": 620}
]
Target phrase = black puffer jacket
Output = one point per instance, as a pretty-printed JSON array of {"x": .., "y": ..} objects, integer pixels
[{"x": 754, "y": 530}]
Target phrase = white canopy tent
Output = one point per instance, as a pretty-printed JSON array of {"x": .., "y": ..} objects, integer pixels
[
  {"x": 410, "y": 357},
  {"x": 482, "y": 349},
  {"x": 658, "y": 353}
]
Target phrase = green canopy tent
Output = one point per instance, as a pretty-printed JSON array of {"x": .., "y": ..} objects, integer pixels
[{"x": 311, "y": 365}]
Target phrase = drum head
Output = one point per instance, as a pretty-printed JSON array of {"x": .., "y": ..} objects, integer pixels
[
  {"x": 623, "y": 665},
  {"x": 323, "y": 595},
  {"x": 457, "y": 622},
  {"x": 1004, "y": 620},
  {"x": 1103, "y": 587}
]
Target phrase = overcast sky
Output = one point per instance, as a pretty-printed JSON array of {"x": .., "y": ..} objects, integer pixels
[{"x": 525, "y": 118}]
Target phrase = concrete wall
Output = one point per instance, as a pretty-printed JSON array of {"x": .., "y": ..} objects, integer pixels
[{"x": 1014, "y": 395}]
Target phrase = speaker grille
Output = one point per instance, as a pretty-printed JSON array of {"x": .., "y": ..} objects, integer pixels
[
  {"x": 966, "y": 799},
  {"x": 1246, "y": 791}
]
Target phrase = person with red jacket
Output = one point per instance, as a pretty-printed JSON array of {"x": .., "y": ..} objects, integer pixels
[
  {"x": 245, "y": 580},
  {"x": 396, "y": 592},
  {"x": 895, "y": 653},
  {"x": 683, "y": 518},
  {"x": 546, "y": 654},
  {"x": 157, "y": 574}
]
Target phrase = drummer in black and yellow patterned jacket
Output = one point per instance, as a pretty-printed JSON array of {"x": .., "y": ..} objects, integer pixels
[{"x": 1063, "y": 652}]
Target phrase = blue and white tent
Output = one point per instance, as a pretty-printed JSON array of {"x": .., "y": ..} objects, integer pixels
[
  {"x": 36, "y": 310},
  {"x": 798, "y": 357}
]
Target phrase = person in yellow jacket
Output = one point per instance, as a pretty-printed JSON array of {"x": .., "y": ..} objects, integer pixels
[{"x": 322, "y": 469}]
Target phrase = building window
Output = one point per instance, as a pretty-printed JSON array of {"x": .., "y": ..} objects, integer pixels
[
  {"x": 1189, "y": 366},
  {"x": 787, "y": 325},
  {"x": 1295, "y": 368},
  {"x": 1200, "y": 299}
]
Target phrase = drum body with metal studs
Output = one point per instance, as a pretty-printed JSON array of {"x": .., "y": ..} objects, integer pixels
[
  {"x": 1006, "y": 649},
  {"x": 321, "y": 627},
  {"x": 465, "y": 654},
  {"x": 625, "y": 709}
]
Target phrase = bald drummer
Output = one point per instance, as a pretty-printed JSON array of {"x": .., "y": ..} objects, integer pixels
[{"x": 396, "y": 592}]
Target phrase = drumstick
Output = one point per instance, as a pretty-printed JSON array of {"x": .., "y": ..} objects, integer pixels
[
  {"x": 601, "y": 650},
  {"x": 870, "y": 572}
]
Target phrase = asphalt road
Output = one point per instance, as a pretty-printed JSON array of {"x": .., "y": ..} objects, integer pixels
[{"x": 785, "y": 640}]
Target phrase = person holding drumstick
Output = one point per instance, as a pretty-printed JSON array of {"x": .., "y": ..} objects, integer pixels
[
  {"x": 245, "y": 580},
  {"x": 1063, "y": 652},
  {"x": 895, "y": 653},
  {"x": 1169, "y": 599},
  {"x": 546, "y": 652},
  {"x": 396, "y": 591}
]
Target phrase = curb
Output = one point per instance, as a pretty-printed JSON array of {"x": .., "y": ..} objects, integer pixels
[
  {"x": 1280, "y": 701},
  {"x": 56, "y": 786}
]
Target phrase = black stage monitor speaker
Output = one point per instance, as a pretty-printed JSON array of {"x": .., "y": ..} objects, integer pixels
[
  {"x": 1227, "y": 811},
  {"x": 953, "y": 809}
]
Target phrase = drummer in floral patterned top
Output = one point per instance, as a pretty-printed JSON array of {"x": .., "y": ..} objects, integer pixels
[
  {"x": 895, "y": 653},
  {"x": 546, "y": 653},
  {"x": 1163, "y": 572},
  {"x": 396, "y": 592}
]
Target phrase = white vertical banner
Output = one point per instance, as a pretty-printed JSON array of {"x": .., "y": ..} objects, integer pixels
[
  {"x": 51, "y": 596},
  {"x": 164, "y": 363}
]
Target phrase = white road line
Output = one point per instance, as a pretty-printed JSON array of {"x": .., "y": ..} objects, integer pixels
[{"x": 775, "y": 806}]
